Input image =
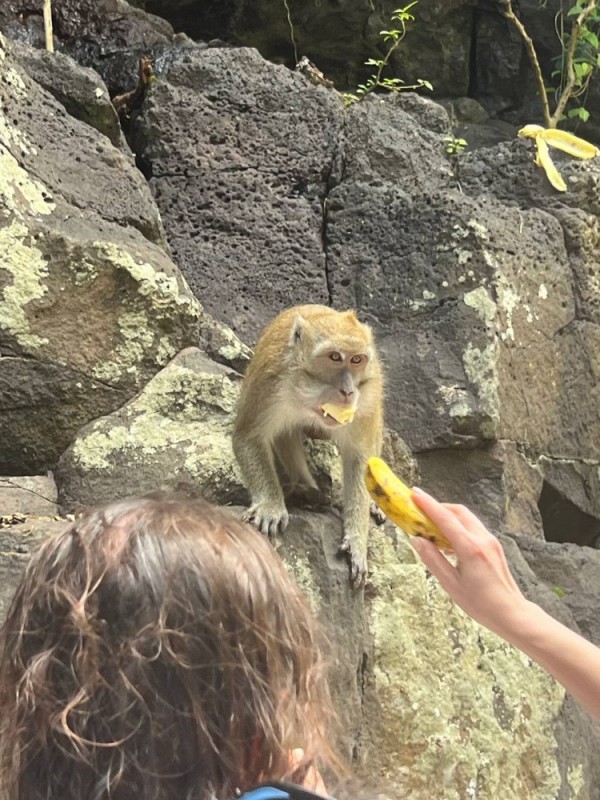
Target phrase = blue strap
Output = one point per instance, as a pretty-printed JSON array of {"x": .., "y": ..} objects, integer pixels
[{"x": 265, "y": 793}]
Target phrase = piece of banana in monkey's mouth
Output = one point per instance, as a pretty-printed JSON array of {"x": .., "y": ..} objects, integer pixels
[
  {"x": 341, "y": 414},
  {"x": 394, "y": 498}
]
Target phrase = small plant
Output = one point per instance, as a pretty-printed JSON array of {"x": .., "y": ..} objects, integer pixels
[
  {"x": 392, "y": 38},
  {"x": 558, "y": 591},
  {"x": 579, "y": 59},
  {"x": 455, "y": 146}
]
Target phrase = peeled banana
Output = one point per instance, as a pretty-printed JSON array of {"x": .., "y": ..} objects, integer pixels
[
  {"x": 563, "y": 140},
  {"x": 394, "y": 498},
  {"x": 341, "y": 414}
]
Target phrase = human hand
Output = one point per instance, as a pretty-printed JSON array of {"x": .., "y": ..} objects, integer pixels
[{"x": 481, "y": 582}]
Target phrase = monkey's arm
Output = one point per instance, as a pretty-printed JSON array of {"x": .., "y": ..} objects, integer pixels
[
  {"x": 257, "y": 463},
  {"x": 356, "y": 515}
]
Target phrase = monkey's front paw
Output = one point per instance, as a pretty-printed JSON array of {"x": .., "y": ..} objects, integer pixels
[
  {"x": 269, "y": 519},
  {"x": 377, "y": 514},
  {"x": 358, "y": 562}
]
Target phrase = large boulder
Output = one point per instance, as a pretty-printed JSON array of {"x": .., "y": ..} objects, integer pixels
[
  {"x": 91, "y": 305},
  {"x": 175, "y": 434}
]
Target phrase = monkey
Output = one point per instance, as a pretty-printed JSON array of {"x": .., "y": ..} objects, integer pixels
[{"x": 314, "y": 371}]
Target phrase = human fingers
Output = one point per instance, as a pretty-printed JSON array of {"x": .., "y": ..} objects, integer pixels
[
  {"x": 436, "y": 562},
  {"x": 445, "y": 519},
  {"x": 470, "y": 521}
]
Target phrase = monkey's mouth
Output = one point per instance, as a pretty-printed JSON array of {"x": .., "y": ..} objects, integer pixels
[{"x": 332, "y": 414}]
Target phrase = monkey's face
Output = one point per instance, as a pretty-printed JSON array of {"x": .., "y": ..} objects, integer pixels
[
  {"x": 333, "y": 360},
  {"x": 333, "y": 377}
]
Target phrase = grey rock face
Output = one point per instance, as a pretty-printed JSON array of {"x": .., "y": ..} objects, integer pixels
[
  {"x": 80, "y": 90},
  {"x": 241, "y": 181},
  {"x": 174, "y": 434},
  {"x": 25, "y": 495},
  {"x": 90, "y": 304}
]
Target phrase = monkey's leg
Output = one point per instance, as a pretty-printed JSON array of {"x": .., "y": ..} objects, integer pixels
[
  {"x": 267, "y": 511},
  {"x": 356, "y": 516},
  {"x": 290, "y": 451}
]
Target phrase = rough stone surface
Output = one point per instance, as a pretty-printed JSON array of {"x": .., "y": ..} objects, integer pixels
[
  {"x": 456, "y": 693},
  {"x": 28, "y": 494},
  {"x": 91, "y": 306},
  {"x": 85, "y": 29},
  {"x": 79, "y": 89},
  {"x": 573, "y": 573},
  {"x": 339, "y": 37},
  {"x": 175, "y": 433},
  {"x": 17, "y": 541},
  {"x": 309, "y": 549},
  {"x": 245, "y": 212}
]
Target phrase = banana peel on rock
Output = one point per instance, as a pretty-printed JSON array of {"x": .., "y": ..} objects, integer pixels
[
  {"x": 394, "y": 498},
  {"x": 562, "y": 140}
]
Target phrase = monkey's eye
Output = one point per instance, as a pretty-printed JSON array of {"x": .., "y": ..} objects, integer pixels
[
  {"x": 356, "y": 359},
  {"x": 335, "y": 356}
]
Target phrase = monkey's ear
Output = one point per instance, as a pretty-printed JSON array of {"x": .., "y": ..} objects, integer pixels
[{"x": 297, "y": 330}]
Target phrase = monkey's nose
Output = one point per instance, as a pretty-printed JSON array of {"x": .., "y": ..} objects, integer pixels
[{"x": 346, "y": 394}]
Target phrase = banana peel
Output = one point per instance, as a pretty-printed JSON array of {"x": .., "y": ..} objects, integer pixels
[
  {"x": 562, "y": 140},
  {"x": 394, "y": 498}
]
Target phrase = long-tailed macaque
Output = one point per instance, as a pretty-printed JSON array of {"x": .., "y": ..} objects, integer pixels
[{"x": 314, "y": 371}]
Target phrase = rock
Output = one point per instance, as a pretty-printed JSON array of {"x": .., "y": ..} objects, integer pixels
[
  {"x": 338, "y": 38},
  {"x": 449, "y": 708},
  {"x": 85, "y": 29},
  {"x": 16, "y": 544},
  {"x": 223, "y": 346},
  {"x": 257, "y": 142},
  {"x": 91, "y": 306},
  {"x": 28, "y": 495},
  {"x": 80, "y": 90},
  {"x": 572, "y": 573},
  {"x": 175, "y": 433},
  {"x": 309, "y": 549}
]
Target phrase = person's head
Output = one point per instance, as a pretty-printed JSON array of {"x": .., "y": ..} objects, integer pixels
[{"x": 157, "y": 649}]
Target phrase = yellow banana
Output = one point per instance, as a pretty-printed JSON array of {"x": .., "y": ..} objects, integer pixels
[
  {"x": 571, "y": 144},
  {"x": 394, "y": 498},
  {"x": 562, "y": 140},
  {"x": 543, "y": 159}
]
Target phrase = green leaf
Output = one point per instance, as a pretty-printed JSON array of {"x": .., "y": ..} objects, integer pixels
[
  {"x": 579, "y": 113},
  {"x": 375, "y": 62},
  {"x": 558, "y": 591},
  {"x": 590, "y": 37},
  {"x": 581, "y": 70},
  {"x": 575, "y": 11}
]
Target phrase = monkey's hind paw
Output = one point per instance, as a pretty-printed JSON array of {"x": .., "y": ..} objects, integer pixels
[
  {"x": 268, "y": 519},
  {"x": 378, "y": 516},
  {"x": 358, "y": 562}
]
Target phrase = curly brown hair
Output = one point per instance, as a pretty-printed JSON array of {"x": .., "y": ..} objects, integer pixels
[{"x": 158, "y": 649}]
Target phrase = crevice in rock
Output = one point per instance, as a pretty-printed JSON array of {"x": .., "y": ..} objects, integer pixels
[
  {"x": 67, "y": 368},
  {"x": 563, "y": 521},
  {"x": 330, "y": 184}
]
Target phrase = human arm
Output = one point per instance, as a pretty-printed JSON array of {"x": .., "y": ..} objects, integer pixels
[{"x": 482, "y": 585}]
